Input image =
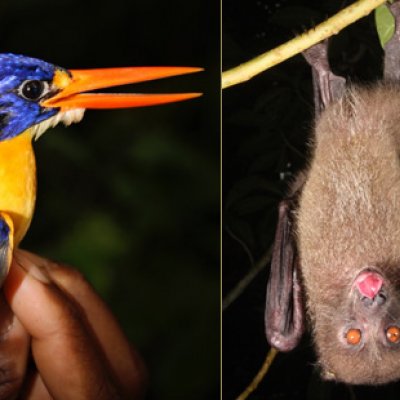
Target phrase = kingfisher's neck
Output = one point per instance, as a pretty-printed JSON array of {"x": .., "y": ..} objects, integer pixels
[{"x": 18, "y": 181}]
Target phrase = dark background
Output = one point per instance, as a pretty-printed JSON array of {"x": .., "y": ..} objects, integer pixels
[
  {"x": 266, "y": 123},
  {"x": 131, "y": 197}
]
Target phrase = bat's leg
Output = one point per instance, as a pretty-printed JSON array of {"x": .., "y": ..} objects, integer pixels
[
  {"x": 391, "y": 69},
  {"x": 6, "y": 245},
  {"x": 327, "y": 86},
  {"x": 284, "y": 313}
]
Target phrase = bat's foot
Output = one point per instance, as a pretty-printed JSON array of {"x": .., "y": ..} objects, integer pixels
[
  {"x": 327, "y": 86},
  {"x": 391, "y": 64}
]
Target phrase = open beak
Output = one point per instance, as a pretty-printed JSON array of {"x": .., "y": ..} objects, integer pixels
[{"x": 74, "y": 87}]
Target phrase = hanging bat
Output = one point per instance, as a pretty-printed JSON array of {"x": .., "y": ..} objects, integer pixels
[{"x": 336, "y": 254}]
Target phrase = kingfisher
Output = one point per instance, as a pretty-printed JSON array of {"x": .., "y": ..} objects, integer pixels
[{"x": 36, "y": 95}]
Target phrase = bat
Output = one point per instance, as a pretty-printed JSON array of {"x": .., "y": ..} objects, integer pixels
[{"x": 336, "y": 255}]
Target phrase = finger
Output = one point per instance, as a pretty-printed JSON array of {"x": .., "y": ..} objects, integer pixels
[
  {"x": 34, "y": 388},
  {"x": 14, "y": 352},
  {"x": 65, "y": 352},
  {"x": 124, "y": 360}
]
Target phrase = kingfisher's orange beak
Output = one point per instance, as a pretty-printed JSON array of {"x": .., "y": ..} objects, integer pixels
[{"x": 74, "y": 85}]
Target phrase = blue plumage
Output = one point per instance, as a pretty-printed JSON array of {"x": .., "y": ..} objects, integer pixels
[
  {"x": 4, "y": 231},
  {"x": 17, "y": 112}
]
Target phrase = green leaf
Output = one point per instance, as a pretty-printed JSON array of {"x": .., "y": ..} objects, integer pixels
[{"x": 384, "y": 21}]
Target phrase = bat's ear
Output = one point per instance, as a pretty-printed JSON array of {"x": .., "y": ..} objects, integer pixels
[{"x": 284, "y": 311}]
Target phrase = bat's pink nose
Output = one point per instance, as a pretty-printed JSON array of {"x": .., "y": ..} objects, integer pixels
[{"x": 369, "y": 284}]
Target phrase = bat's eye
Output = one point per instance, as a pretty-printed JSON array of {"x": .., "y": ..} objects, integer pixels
[
  {"x": 33, "y": 90},
  {"x": 353, "y": 336},
  {"x": 393, "y": 334}
]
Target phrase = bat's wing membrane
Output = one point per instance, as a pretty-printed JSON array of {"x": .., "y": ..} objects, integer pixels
[{"x": 284, "y": 313}]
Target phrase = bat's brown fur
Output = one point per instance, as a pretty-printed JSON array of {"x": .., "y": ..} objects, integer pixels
[{"x": 348, "y": 220}]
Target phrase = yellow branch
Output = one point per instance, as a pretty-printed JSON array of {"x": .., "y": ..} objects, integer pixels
[
  {"x": 260, "y": 374},
  {"x": 331, "y": 26}
]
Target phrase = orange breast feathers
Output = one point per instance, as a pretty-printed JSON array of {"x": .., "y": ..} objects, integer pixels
[{"x": 18, "y": 182}]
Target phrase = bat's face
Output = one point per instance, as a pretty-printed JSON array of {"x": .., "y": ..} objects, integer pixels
[{"x": 358, "y": 338}]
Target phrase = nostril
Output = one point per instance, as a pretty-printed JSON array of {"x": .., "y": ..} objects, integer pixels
[
  {"x": 380, "y": 299},
  {"x": 377, "y": 300},
  {"x": 367, "y": 302}
]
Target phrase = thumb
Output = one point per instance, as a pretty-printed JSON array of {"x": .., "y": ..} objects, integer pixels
[{"x": 65, "y": 351}]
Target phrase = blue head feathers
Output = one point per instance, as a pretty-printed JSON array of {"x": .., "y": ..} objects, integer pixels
[
  {"x": 37, "y": 94},
  {"x": 24, "y": 81}
]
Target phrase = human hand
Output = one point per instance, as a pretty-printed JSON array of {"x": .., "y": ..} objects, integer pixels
[{"x": 58, "y": 340}]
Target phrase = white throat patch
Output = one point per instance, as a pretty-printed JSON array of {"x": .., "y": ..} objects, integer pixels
[{"x": 66, "y": 117}]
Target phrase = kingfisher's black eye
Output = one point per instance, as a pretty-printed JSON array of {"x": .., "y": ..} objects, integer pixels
[{"x": 33, "y": 90}]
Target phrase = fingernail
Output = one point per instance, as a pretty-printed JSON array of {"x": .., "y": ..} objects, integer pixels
[
  {"x": 36, "y": 271},
  {"x": 39, "y": 273}
]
